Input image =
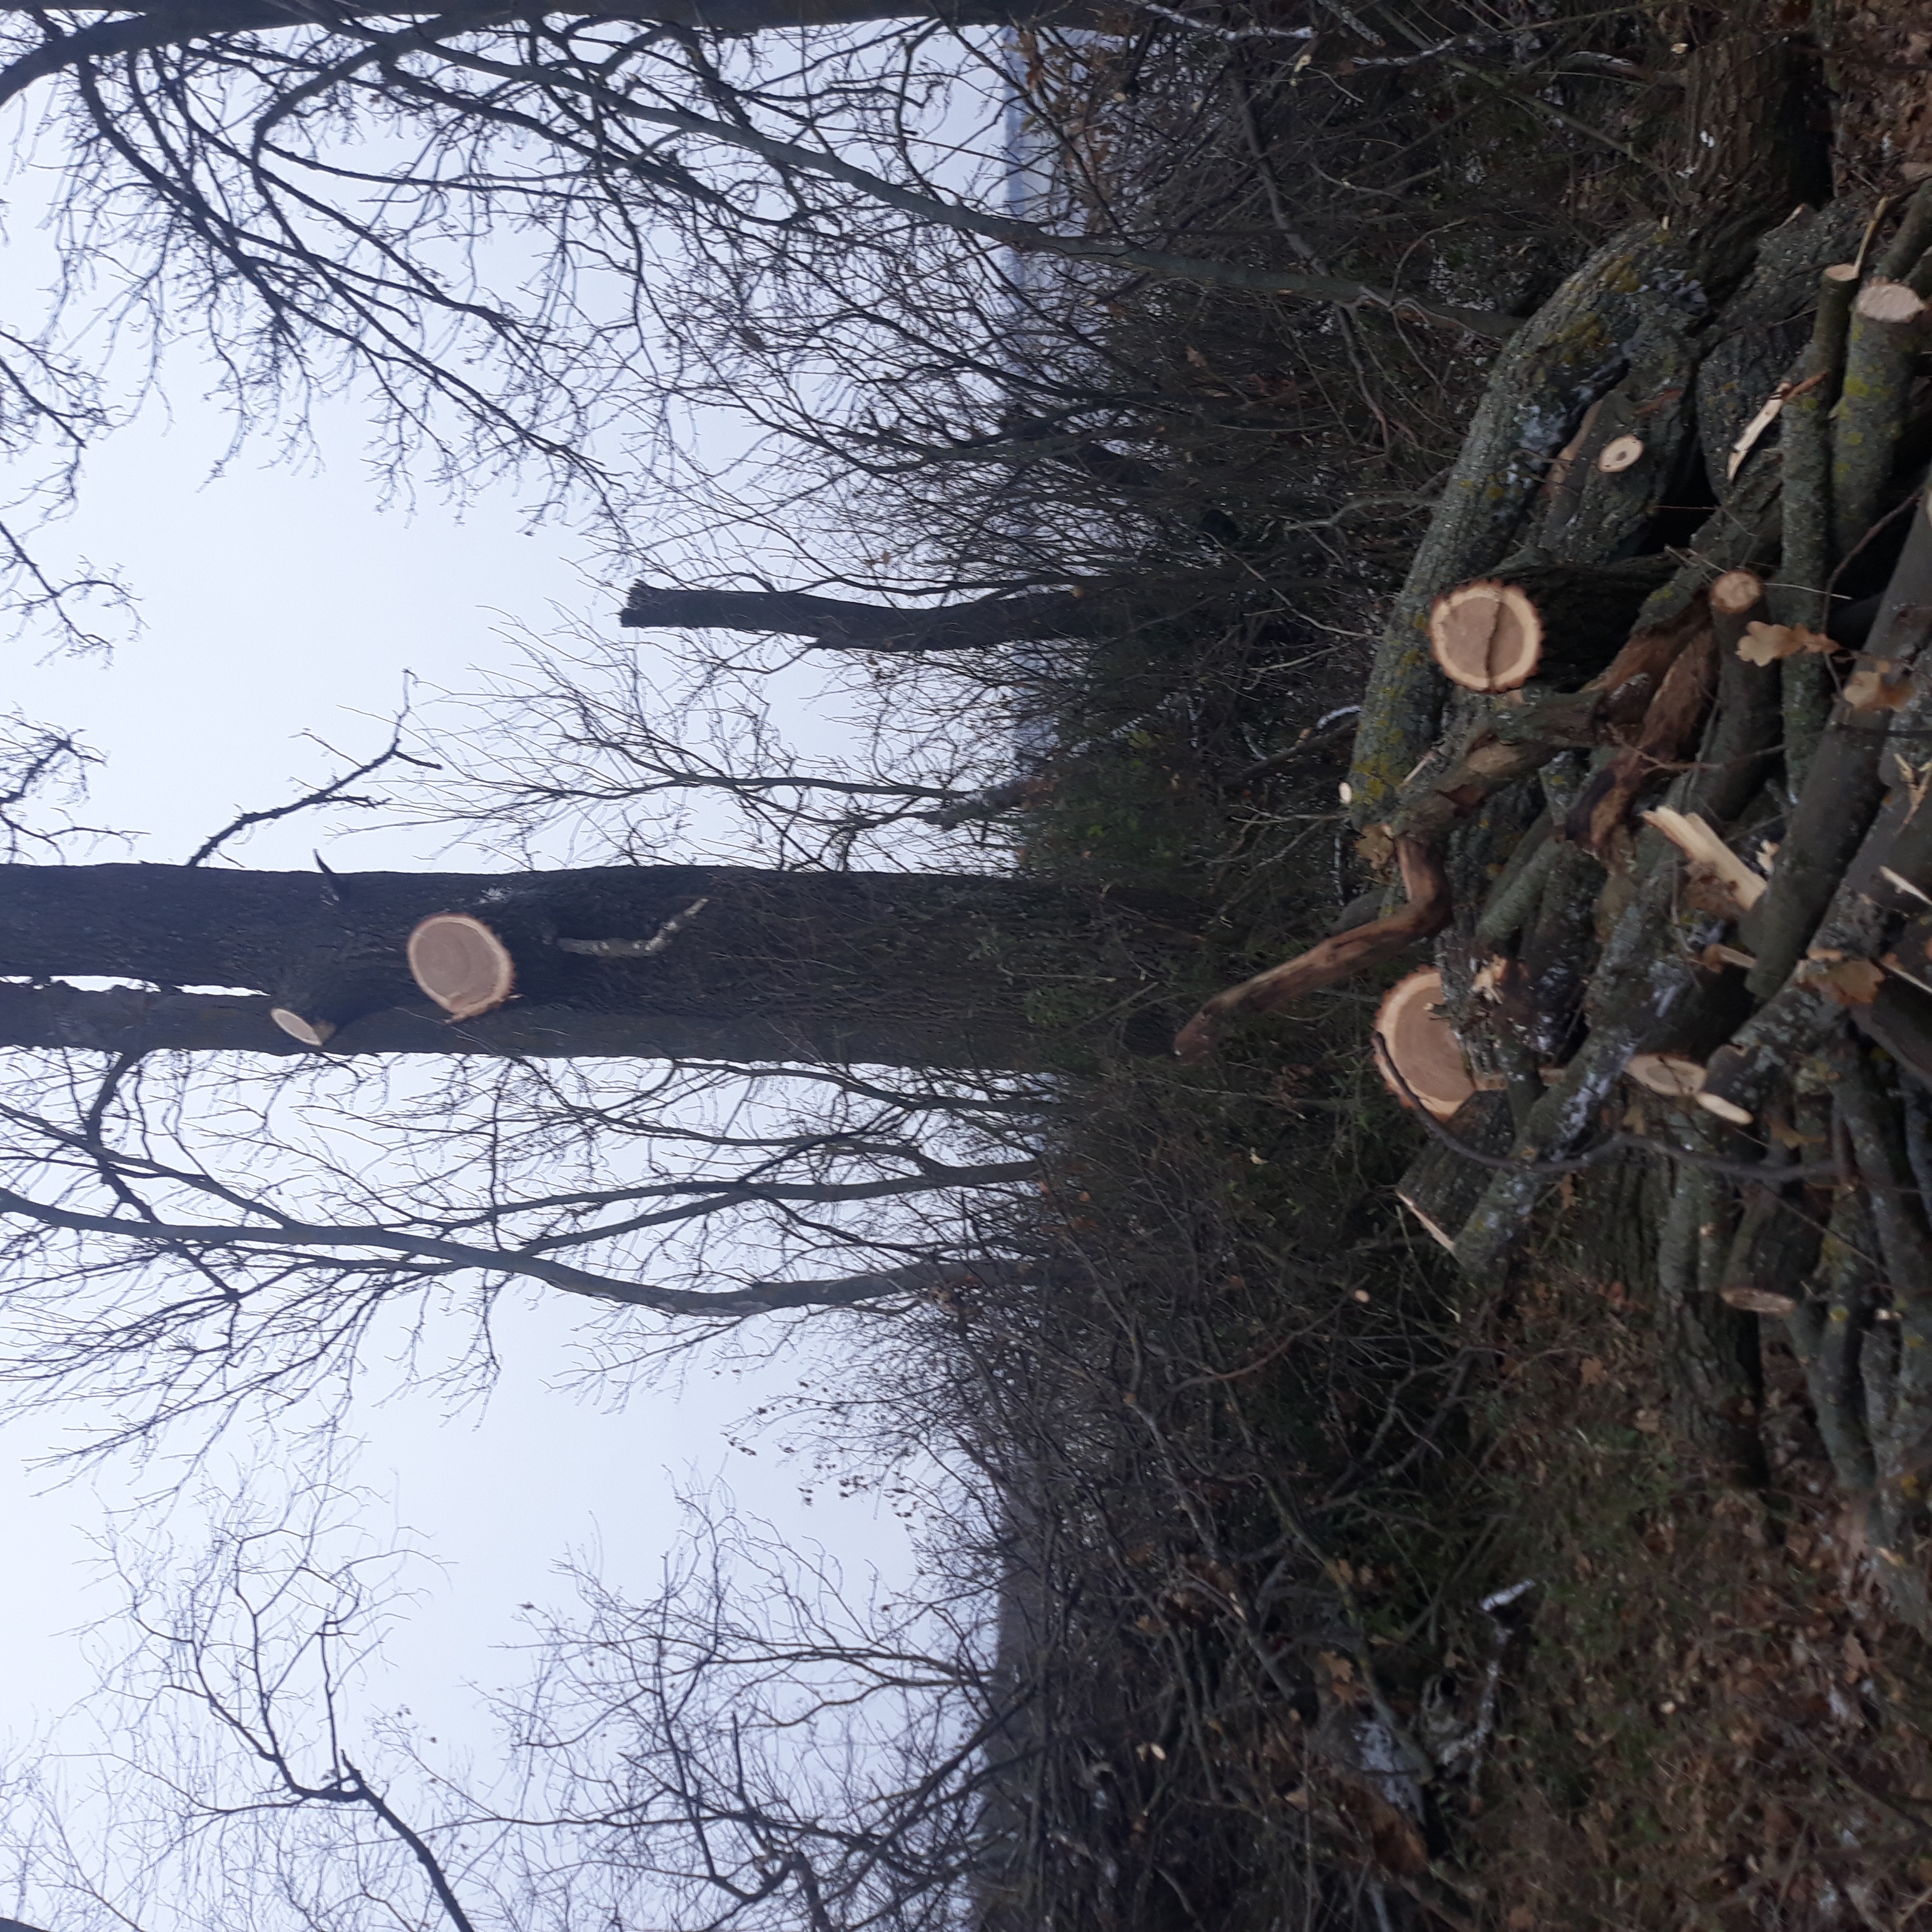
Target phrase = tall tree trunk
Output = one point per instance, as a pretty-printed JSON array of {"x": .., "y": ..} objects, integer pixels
[
  {"x": 895, "y": 969},
  {"x": 174, "y": 23},
  {"x": 838, "y": 624}
]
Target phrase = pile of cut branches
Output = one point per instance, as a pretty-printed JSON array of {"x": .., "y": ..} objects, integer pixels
[{"x": 1648, "y": 746}]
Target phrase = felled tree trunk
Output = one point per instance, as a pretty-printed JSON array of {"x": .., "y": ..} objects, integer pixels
[
  {"x": 1557, "y": 623},
  {"x": 1575, "y": 348},
  {"x": 896, "y": 969}
]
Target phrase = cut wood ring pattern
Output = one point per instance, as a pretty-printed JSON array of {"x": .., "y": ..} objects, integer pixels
[
  {"x": 1486, "y": 636},
  {"x": 461, "y": 965},
  {"x": 1422, "y": 1045},
  {"x": 311, "y": 1033}
]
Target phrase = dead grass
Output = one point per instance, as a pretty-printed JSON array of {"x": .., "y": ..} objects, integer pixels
[{"x": 1712, "y": 1721}]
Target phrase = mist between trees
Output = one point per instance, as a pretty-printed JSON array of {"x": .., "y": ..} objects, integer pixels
[{"x": 1112, "y": 476}]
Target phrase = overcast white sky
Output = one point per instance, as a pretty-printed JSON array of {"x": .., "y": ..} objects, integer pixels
[{"x": 277, "y": 602}]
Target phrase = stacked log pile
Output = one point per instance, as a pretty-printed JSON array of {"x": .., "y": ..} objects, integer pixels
[{"x": 1648, "y": 751}]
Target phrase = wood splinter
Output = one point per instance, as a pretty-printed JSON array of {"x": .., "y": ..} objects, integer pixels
[
  {"x": 461, "y": 965},
  {"x": 1701, "y": 843},
  {"x": 1672, "y": 1075}
]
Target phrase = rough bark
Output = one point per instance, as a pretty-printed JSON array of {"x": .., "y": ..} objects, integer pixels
[
  {"x": 1646, "y": 972},
  {"x": 1442, "y": 1185},
  {"x": 1716, "y": 1383},
  {"x": 1887, "y": 330},
  {"x": 1764, "y": 328},
  {"x": 1667, "y": 733},
  {"x": 1575, "y": 348},
  {"x": 1590, "y": 513},
  {"x": 831, "y": 623},
  {"x": 1845, "y": 784},
  {"x": 1754, "y": 147},
  {"x": 897, "y": 969}
]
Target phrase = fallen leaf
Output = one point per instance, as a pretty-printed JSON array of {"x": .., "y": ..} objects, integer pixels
[
  {"x": 1878, "y": 684},
  {"x": 1591, "y": 1372},
  {"x": 1341, "y": 1680},
  {"x": 1764, "y": 643},
  {"x": 1857, "y": 1663},
  {"x": 1852, "y": 983}
]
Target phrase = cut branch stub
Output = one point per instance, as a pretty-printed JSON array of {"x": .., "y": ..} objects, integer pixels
[
  {"x": 1486, "y": 636},
  {"x": 1672, "y": 1075},
  {"x": 461, "y": 965},
  {"x": 1623, "y": 453},
  {"x": 1423, "y": 1045},
  {"x": 311, "y": 1033},
  {"x": 1561, "y": 623}
]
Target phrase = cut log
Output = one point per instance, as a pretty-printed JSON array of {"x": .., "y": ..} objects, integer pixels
[
  {"x": 1716, "y": 1382},
  {"x": 1735, "y": 598},
  {"x": 1912, "y": 237},
  {"x": 1827, "y": 1330},
  {"x": 1886, "y": 333},
  {"x": 461, "y": 965},
  {"x": 1421, "y": 1046},
  {"x": 1846, "y": 782},
  {"x": 1561, "y": 622},
  {"x": 1441, "y": 1184},
  {"x": 1738, "y": 755},
  {"x": 1806, "y": 564},
  {"x": 1644, "y": 975},
  {"x": 1515, "y": 744},
  {"x": 1761, "y": 333},
  {"x": 1552, "y": 369},
  {"x": 1588, "y": 514}
]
